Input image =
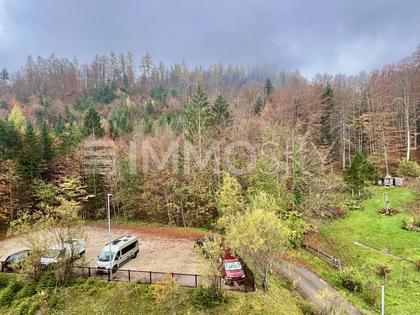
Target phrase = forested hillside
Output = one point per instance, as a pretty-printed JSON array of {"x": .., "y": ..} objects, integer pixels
[{"x": 55, "y": 112}]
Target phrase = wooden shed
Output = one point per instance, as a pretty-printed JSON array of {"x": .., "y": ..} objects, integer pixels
[{"x": 390, "y": 181}]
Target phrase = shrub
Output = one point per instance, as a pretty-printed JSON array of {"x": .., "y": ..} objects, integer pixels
[
  {"x": 207, "y": 297},
  {"x": 412, "y": 223},
  {"x": 8, "y": 294},
  {"x": 417, "y": 263},
  {"x": 4, "y": 280},
  {"x": 371, "y": 293},
  {"x": 353, "y": 204},
  {"x": 384, "y": 271},
  {"x": 28, "y": 289},
  {"x": 351, "y": 279},
  {"x": 408, "y": 169},
  {"x": 339, "y": 211}
]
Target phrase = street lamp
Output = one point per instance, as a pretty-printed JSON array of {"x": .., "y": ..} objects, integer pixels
[{"x": 109, "y": 234}]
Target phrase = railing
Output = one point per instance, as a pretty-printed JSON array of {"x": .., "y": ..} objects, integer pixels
[
  {"x": 139, "y": 276},
  {"x": 151, "y": 277},
  {"x": 334, "y": 262}
]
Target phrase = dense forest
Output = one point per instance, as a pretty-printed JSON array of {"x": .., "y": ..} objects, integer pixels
[{"x": 53, "y": 111}]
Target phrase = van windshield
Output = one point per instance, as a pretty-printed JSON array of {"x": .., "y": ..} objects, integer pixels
[{"x": 105, "y": 256}]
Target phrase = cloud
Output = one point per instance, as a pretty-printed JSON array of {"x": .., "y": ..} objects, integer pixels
[{"x": 309, "y": 36}]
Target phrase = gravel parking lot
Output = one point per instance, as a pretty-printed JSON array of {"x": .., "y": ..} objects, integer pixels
[{"x": 161, "y": 249}]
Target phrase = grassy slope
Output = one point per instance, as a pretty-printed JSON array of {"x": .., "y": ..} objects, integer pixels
[
  {"x": 99, "y": 297},
  {"x": 367, "y": 227}
]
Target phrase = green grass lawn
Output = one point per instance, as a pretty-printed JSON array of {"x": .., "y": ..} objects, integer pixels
[
  {"x": 382, "y": 233},
  {"x": 99, "y": 297}
]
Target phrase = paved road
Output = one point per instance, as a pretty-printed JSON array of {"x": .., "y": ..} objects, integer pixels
[{"x": 315, "y": 290}]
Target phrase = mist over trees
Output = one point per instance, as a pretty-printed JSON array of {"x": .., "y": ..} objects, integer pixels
[{"x": 53, "y": 109}]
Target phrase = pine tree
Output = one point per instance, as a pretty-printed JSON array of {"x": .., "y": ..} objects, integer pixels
[
  {"x": 297, "y": 178},
  {"x": 4, "y": 75},
  {"x": 10, "y": 140},
  {"x": 258, "y": 106},
  {"x": 47, "y": 148},
  {"x": 268, "y": 89},
  {"x": 59, "y": 125},
  {"x": 17, "y": 119},
  {"x": 197, "y": 117},
  {"x": 327, "y": 100},
  {"x": 149, "y": 109},
  {"x": 30, "y": 157},
  {"x": 221, "y": 111},
  {"x": 92, "y": 124},
  {"x": 46, "y": 142},
  {"x": 359, "y": 173}
]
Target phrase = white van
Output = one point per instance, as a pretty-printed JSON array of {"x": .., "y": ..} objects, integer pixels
[
  {"x": 123, "y": 249},
  {"x": 73, "y": 249}
]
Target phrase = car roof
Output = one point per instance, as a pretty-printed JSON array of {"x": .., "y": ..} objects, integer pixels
[{"x": 120, "y": 242}]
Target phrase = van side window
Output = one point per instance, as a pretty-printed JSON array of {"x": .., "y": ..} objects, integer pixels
[{"x": 128, "y": 248}]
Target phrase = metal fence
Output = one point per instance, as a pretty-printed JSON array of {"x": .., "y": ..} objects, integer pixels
[
  {"x": 138, "y": 276},
  {"x": 336, "y": 263},
  {"x": 151, "y": 277}
]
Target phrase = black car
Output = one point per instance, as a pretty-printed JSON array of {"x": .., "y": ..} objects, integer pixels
[{"x": 12, "y": 262}]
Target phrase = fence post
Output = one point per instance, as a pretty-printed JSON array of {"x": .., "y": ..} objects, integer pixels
[
  {"x": 89, "y": 271},
  {"x": 196, "y": 280},
  {"x": 2, "y": 266},
  {"x": 129, "y": 275},
  {"x": 109, "y": 275},
  {"x": 172, "y": 274},
  {"x": 150, "y": 277}
]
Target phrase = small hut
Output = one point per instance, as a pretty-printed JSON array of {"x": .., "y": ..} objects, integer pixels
[{"x": 390, "y": 181}]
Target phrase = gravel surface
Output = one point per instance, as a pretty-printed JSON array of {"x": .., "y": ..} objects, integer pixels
[{"x": 161, "y": 254}]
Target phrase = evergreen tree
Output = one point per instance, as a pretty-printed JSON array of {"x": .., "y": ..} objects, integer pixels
[
  {"x": 10, "y": 140},
  {"x": 258, "y": 106},
  {"x": 327, "y": 100},
  {"x": 197, "y": 117},
  {"x": 30, "y": 157},
  {"x": 120, "y": 121},
  {"x": 17, "y": 119},
  {"x": 221, "y": 111},
  {"x": 92, "y": 124},
  {"x": 359, "y": 173},
  {"x": 297, "y": 178},
  {"x": 95, "y": 206},
  {"x": 4, "y": 75},
  {"x": 47, "y": 148},
  {"x": 149, "y": 109},
  {"x": 59, "y": 125},
  {"x": 268, "y": 89},
  {"x": 46, "y": 142}
]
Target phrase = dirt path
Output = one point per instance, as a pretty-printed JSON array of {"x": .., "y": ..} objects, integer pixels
[{"x": 318, "y": 292}]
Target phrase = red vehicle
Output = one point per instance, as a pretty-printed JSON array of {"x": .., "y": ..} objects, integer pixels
[{"x": 232, "y": 269}]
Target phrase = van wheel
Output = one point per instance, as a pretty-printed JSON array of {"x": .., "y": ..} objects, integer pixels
[
  {"x": 135, "y": 254},
  {"x": 114, "y": 269}
]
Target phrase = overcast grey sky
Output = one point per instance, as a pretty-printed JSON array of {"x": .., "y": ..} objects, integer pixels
[{"x": 308, "y": 36}]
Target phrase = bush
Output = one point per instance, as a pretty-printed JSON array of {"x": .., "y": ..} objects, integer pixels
[
  {"x": 417, "y": 263},
  {"x": 412, "y": 223},
  {"x": 384, "y": 271},
  {"x": 207, "y": 297},
  {"x": 353, "y": 204},
  {"x": 4, "y": 280},
  {"x": 351, "y": 279},
  {"x": 8, "y": 294},
  {"x": 371, "y": 293},
  {"x": 339, "y": 211},
  {"x": 408, "y": 169}
]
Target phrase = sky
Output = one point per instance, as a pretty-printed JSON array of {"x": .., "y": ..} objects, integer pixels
[{"x": 310, "y": 36}]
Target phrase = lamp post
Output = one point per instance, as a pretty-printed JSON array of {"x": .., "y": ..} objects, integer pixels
[{"x": 109, "y": 234}]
